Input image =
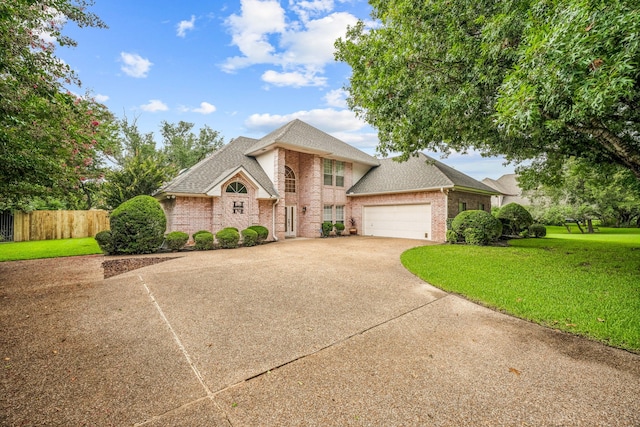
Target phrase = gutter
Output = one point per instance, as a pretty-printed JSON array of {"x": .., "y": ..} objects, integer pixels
[{"x": 273, "y": 215}]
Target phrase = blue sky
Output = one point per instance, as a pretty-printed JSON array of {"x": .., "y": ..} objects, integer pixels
[{"x": 242, "y": 67}]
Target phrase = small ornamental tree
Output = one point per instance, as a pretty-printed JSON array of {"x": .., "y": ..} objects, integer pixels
[
  {"x": 138, "y": 226},
  {"x": 515, "y": 219},
  {"x": 476, "y": 227}
]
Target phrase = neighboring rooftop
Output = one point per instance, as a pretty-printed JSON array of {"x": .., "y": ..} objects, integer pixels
[
  {"x": 511, "y": 192},
  {"x": 419, "y": 172}
]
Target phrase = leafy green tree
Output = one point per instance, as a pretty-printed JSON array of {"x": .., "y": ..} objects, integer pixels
[
  {"x": 50, "y": 139},
  {"x": 184, "y": 148},
  {"x": 528, "y": 79},
  {"x": 139, "y": 167}
]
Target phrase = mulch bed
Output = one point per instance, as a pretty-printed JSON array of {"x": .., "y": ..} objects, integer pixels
[{"x": 118, "y": 266}]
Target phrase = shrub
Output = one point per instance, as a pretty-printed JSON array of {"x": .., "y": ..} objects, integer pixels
[
  {"x": 199, "y": 232},
  {"x": 204, "y": 240},
  {"x": 339, "y": 228},
  {"x": 137, "y": 226},
  {"x": 249, "y": 237},
  {"x": 477, "y": 227},
  {"x": 452, "y": 236},
  {"x": 228, "y": 238},
  {"x": 537, "y": 230},
  {"x": 515, "y": 218},
  {"x": 176, "y": 240},
  {"x": 326, "y": 228},
  {"x": 104, "y": 241},
  {"x": 263, "y": 232}
]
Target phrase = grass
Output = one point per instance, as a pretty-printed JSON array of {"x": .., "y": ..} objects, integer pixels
[
  {"x": 587, "y": 284},
  {"x": 14, "y": 251}
]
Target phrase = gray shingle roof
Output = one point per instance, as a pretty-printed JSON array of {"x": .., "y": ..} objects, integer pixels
[
  {"x": 201, "y": 177},
  {"x": 508, "y": 185},
  {"x": 303, "y": 137},
  {"x": 418, "y": 173}
]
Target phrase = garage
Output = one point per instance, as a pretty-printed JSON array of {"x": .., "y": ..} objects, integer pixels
[{"x": 404, "y": 221}]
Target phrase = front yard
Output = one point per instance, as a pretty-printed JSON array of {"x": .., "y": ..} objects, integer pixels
[
  {"x": 587, "y": 284},
  {"x": 15, "y": 251}
]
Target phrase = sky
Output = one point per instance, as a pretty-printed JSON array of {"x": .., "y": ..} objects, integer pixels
[{"x": 242, "y": 67}]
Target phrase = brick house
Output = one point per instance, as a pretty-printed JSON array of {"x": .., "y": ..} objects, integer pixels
[{"x": 297, "y": 177}]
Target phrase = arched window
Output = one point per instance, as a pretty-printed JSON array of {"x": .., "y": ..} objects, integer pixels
[
  {"x": 289, "y": 180},
  {"x": 236, "y": 187}
]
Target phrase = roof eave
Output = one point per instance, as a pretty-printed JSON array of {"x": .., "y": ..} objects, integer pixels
[
  {"x": 415, "y": 190},
  {"x": 307, "y": 150}
]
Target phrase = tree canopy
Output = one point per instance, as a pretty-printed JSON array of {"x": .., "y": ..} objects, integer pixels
[
  {"x": 50, "y": 139},
  {"x": 539, "y": 80}
]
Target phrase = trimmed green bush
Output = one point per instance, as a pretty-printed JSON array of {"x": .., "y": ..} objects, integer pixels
[
  {"x": 537, "y": 230},
  {"x": 249, "y": 237},
  {"x": 228, "y": 238},
  {"x": 339, "y": 228},
  {"x": 477, "y": 227},
  {"x": 138, "y": 226},
  {"x": 204, "y": 240},
  {"x": 263, "y": 232},
  {"x": 326, "y": 228},
  {"x": 515, "y": 218},
  {"x": 104, "y": 241},
  {"x": 198, "y": 232},
  {"x": 176, "y": 240},
  {"x": 452, "y": 236}
]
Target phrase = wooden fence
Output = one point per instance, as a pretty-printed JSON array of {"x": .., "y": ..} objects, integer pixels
[{"x": 50, "y": 225}]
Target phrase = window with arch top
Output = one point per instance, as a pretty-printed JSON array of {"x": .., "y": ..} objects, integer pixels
[
  {"x": 236, "y": 187},
  {"x": 289, "y": 180}
]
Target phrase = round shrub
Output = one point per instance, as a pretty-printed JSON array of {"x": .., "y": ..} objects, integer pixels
[
  {"x": 137, "y": 226},
  {"x": 339, "y": 228},
  {"x": 228, "y": 238},
  {"x": 326, "y": 228},
  {"x": 263, "y": 232},
  {"x": 204, "y": 240},
  {"x": 537, "y": 230},
  {"x": 452, "y": 236},
  {"x": 198, "y": 232},
  {"x": 515, "y": 218},
  {"x": 104, "y": 241},
  {"x": 249, "y": 237},
  {"x": 477, "y": 227},
  {"x": 176, "y": 240}
]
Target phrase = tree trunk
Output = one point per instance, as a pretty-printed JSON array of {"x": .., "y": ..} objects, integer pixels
[{"x": 590, "y": 226}]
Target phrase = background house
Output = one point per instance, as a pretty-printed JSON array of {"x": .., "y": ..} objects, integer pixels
[
  {"x": 297, "y": 177},
  {"x": 510, "y": 191}
]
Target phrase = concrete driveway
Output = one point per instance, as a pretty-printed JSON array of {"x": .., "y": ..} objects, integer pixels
[{"x": 313, "y": 332}]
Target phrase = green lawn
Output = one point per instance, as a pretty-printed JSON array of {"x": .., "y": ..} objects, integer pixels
[
  {"x": 588, "y": 284},
  {"x": 48, "y": 249}
]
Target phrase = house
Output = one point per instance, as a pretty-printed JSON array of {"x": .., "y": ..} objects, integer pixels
[
  {"x": 297, "y": 177},
  {"x": 509, "y": 189}
]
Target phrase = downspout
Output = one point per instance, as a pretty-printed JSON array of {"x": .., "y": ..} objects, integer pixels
[{"x": 273, "y": 215}]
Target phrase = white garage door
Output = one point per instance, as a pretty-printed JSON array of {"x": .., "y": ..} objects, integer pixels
[{"x": 406, "y": 221}]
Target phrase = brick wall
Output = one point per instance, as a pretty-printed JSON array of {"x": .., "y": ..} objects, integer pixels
[
  {"x": 189, "y": 214},
  {"x": 472, "y": 200}
]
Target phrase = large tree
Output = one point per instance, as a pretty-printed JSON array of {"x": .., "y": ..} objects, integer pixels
[
  {"x": 528, "y": 79},
  {"x": 183, "y": 147},
  {"x": 50, "y": 139}
]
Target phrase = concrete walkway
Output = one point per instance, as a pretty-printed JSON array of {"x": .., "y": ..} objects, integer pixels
[{"x": 307, "y": 332}]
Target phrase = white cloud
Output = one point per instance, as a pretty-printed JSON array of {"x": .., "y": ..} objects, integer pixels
[
  {"x": 327, "y": 119},
  {"x": 184, "y": 26},
  {"x": 293, "y": 79},
  {"x": 154, "y": 105},
  {"x": 135, "y": 65},
  {"x": 336, "y": 98},
  {"x": 300, "y": 48},
  {"x": 101, "y": 98},
  {"x": 250, "y": 32},
  {"x": 205, "y": 108}
]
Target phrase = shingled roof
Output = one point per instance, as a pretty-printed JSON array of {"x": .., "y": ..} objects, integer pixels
[
  {"x": 420, "y": 172},
  {"x": 300, "y": 136},
  {"x": 218, "y": 167}
]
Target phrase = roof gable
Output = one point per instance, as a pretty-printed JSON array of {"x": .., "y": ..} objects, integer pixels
[
  {"x": 300, "y": 136},
  {"x": 220, "y": 166},
  {"x": 419, "y": 172}
]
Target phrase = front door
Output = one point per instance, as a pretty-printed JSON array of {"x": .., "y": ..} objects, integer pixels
[{"x": 290, "y": 221}]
